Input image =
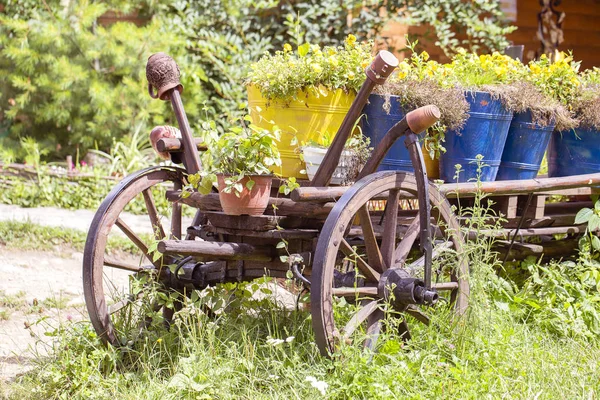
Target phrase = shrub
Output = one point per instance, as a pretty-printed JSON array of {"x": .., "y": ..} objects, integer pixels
[{"x": 74, "y": 84}]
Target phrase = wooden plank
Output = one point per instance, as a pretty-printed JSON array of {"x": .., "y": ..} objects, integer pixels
[
  {"x": 285, "y": 207},
  {"x": 216, "y": 250},
  {"x": 519, "y": 187},
  {"x": 270, "y": 234},
  {"x": 536, "y": 206},
  {"x": 507, "y": 206}
]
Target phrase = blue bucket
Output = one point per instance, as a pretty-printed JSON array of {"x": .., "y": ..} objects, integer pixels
[
  {"x": 574, "y": 153},
  {"x": 376, "y": 124},
  {"x": 524, "y": 148},
  {"x": 484, "y": 133}
]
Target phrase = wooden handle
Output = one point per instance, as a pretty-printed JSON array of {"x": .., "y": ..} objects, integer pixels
[
  {"x": 381, "y": 67},
  {"x": 422, "y": 118}
]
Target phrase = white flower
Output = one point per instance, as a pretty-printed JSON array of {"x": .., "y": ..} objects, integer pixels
[
  {"x": 317, "y": 384},
  {"x": 289, "y": 339},
  {"x": 274, "y": 342}
]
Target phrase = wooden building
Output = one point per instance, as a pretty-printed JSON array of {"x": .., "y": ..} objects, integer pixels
[{"x": 580, "y": 30}]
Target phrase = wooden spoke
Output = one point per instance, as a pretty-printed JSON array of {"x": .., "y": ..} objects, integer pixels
[
  {"x": 176, "y": 216},
  {"x": 369, "y": 291},
  {"x": 373, "y": 254},
  {"x": 420, "y": 262},
  {"x": 132, "y": 236},
  {"x": 122, "y": 265},
  {"x": 417, "y": 314},
  {"x": 159, "y": 232},
  {"x": 388, "y": 242},
  {"x": 407, "y": 241},
  {"x": 367, "y": 309},
  {"x": 374, "y": 329},
  {"x": 403, "y": 331},
  {"x": 445, "y": 286},
  {"x": 369, "y": 273},
  {"x": 113, "y": 308}
]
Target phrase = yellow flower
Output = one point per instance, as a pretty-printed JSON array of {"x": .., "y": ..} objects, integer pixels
[
  {"x": 425, "y": 56},
  {"x": 535, "y": 69},
  {"x": 333, "y": 61},
  {"x": 364, "y": 64},
  {"x": 351, "y": 40},
  {"x": 351, "y": 75},
  {"x": 317, "y": 68},
  {"x": 287, "y": 48}
]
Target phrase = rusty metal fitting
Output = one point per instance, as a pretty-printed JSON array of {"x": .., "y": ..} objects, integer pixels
[
  {"x": 163, "y": 74},
  {"x": 381, "y": 67}
]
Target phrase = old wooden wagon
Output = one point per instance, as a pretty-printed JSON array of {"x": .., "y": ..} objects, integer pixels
[{"x": 391, "y": 238}]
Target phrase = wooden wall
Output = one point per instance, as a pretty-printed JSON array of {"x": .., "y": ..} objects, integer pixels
[{"x": 581, "y": 29}]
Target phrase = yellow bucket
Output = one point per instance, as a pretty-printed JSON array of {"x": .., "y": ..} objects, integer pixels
[{"x": 313, "y": 117}]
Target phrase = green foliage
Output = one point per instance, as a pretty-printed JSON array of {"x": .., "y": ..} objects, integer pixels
[
  {"x": 29, "y": 236},
  {"x": 238, "y": 153},
  {"x": 477, "y": 26},
  {"x": 562, "y": 297},
  {"x": 73, "y": 83},
  {"x": 284, "y": 75}
]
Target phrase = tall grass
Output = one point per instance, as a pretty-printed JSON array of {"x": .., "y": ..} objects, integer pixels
[{"x": 228, "y": 345}]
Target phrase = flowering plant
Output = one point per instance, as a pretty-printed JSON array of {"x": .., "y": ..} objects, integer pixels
[
  {"x": 282, "y": 75},
  {"x": 586, "y": 102},
  {"x": 471, "y": 71},
  {"x": 419, "y": 81}
]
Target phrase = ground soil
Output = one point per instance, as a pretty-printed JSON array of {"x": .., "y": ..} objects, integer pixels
[{"x": 49, "y": 285}]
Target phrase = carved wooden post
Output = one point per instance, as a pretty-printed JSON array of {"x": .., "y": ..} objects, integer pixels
[
  {"x": 163, "y": 74},
  {"x": 550, "y": 31}
]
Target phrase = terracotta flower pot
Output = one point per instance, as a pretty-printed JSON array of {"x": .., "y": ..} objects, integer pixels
[{"x": 250, "y": 202}]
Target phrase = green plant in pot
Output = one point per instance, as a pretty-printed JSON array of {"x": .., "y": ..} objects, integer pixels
[
  {"x": 240, "y": 163},
  {"x": 417, "y": 82},
  {"x": 353, "y": 158},
  {"x": 306, "y": 92},
  {"x": 485, "y": 131},
  {"x": 577, "y": 151},
  {"x": 540, "y": 101}
]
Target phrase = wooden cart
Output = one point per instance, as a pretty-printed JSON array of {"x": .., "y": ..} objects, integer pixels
[{"x": 390, "y": 239}]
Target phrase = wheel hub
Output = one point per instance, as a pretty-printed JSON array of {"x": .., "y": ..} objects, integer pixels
[{"x": 400, "y": 289}]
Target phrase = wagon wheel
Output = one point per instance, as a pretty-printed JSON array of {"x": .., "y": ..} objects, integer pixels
[
  {"x": 122, "y": 288},
  {"x": 358, "y": 243}
]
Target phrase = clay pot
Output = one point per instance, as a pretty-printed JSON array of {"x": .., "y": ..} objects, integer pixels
[{"x": 250, "y": 202}]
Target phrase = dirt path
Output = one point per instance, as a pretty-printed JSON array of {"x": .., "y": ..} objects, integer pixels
[{"x": 35, "y": 285}]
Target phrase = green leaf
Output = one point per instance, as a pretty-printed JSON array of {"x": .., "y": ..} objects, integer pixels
[
  {"x": 595, "y": 242},
  {"x": 281, "y": 245},
  {"x": 583, "y": 215},
  {"x": 250, "y": 184},
  {"x": 594, "y": 223},
  {"x": 303, "y": 49}
]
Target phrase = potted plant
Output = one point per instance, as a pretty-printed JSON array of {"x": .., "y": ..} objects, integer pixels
[
  {"x": 539, "y": 100},
  {"x": 306, "y": 92},
  {"x": 486, "y": 129},
  {"x": 577, "y": 151},
  {"x": 241, "y": 161},
  {"x": 415, "y": 83},
  {"x": 353, "y": 158}
]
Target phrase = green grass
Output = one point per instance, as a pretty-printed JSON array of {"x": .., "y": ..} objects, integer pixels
[
  {"x": 30, "y": 236},
  {"x": 500, "y": 349},
  {"x": 490, "y": 354},
  {"x": 10, "y": 303}
]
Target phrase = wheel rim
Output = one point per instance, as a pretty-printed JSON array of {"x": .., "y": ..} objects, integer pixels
[
  {"x": 368, "y": 238},
  {"x": 116, "y": 288}
]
